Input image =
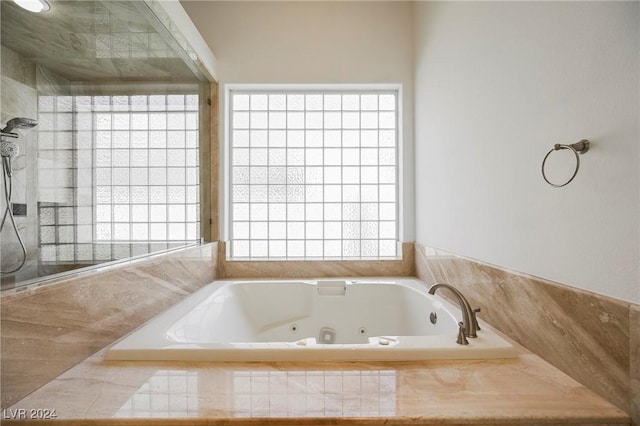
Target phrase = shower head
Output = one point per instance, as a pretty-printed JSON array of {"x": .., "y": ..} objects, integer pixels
[
  {"x": 9, "y": 149},
  {"x": 19, "y": 123}
]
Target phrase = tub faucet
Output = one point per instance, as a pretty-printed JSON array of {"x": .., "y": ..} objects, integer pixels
[{"x": 469, "y": 321}]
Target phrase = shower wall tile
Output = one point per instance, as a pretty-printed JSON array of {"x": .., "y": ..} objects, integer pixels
[
  {"x": 102, "y": 41},
  {"x": 592, "y": 338},
  {"x": 310, "y": 269},
  {"x": 47, "y": 330},
  {"x": 50, "y": 83},
  {"x": 17, "y": 67}
]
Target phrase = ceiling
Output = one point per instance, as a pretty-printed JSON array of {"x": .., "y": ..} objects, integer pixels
[{"x": 95, "y": 41}]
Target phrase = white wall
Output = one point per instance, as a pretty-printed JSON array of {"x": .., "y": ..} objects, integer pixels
[
  {"x": 315, "y": 42},
  {"x": 497, "y": 84}
]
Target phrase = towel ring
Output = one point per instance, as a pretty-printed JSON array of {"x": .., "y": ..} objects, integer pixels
[{"x": 577, "y": 149}]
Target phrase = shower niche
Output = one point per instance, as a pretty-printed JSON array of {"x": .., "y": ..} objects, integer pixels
[{"x": 105, "y": 122}]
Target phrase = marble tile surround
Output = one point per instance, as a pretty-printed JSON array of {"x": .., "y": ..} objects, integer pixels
[
  {"x": 634, "y": 360},
  {"x": 593, "y": 338},
  {"x": 62, "y": 341},
  {"x": 520, "y": 391},
  {"x": 308, "y": 269},
  {"x": 47, "y": 330},
  {"x": 64, "y": 323}
]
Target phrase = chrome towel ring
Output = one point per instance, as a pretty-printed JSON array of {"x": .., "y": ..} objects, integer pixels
[{"x": 577, "y": 148}]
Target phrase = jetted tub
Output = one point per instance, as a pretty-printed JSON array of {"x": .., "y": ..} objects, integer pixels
[{"x": 314, "y": 320}]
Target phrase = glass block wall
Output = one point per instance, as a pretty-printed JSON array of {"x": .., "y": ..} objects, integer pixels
[
  {"x": 118, "y": 175},
  {"x": 313, "y": 174}
]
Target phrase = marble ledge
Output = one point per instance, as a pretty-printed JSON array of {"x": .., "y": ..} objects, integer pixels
[
  {"x": 522, "y": 391},
  {"x": 200, "y": 259},
  {"x": 300, "y": 421},
  {"x": 229, "y": 269}
]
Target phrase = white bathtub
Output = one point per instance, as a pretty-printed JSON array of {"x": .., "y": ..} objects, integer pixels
[{"x": 315, "y": 320}]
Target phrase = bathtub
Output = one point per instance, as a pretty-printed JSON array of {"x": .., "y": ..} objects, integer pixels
[{"x": 310, "y": 320}]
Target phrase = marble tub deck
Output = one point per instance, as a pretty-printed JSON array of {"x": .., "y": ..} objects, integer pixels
[{"x": 524, "y": 390}]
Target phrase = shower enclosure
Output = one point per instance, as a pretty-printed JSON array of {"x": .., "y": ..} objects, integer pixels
[
  {"x": 104, "y": 117},
  {"x": 8, "y": 151}
]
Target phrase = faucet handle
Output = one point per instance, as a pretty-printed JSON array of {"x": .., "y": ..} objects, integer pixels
[
  {"x": 475, "y": 320},
  {"x": 462, "y": 338}
]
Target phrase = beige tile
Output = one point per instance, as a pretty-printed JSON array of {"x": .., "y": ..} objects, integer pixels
[
  {"x": 584, "y": 334},
  {"x": 310, "y": 269},
  {"x": 214, "y": 155},
  {"x": 524, "y": 390},
  {"x": 634, "y": 360},
  {"x": 47, "y": 330}
]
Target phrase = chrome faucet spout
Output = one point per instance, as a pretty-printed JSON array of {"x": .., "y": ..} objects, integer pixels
[{"x": 469, "y": 321}]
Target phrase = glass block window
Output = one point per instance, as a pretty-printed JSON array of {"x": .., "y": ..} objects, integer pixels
[
  {"x": 146, "y": 168},
  {"x": 313, "y": 174}
]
